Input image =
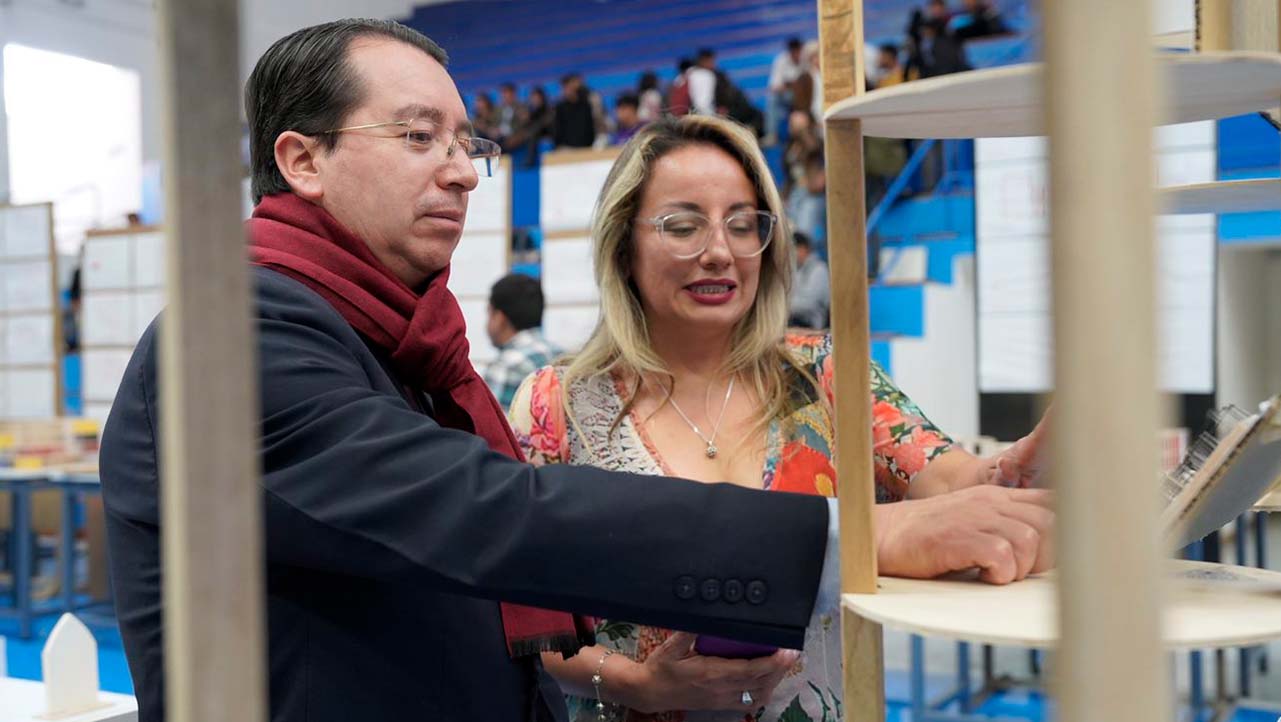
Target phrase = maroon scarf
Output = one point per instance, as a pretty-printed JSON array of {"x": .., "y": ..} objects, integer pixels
[{"x": 425, "y": 337}]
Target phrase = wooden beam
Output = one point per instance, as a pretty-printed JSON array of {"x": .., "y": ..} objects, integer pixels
[
  {"x": 841, "y": 42},
  {"x": 213, "y": 561},
  {"x": 1101, "y": 105},
  {"x": 1236, "y": 25}
]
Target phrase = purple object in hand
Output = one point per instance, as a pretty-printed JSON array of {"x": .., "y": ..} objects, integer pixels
[{"x": 730, "y": 649}]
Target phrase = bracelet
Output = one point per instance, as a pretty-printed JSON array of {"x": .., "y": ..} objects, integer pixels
[{"x": 597, "y": 681}]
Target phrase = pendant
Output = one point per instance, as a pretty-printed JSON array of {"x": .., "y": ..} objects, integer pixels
[{"x": 711, "y": 451}]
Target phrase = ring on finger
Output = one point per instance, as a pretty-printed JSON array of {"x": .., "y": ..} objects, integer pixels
[{"x": 746, "y": 698}]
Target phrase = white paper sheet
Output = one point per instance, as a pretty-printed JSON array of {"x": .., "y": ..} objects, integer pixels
[
  {"x": 569, "y": 192},
  {"x": 489, "y": 206},
  {"x": 567, "y": 271},
  {"x": 146, "y": 306},
  {"x": 107, "y": 263},
  {"x": 101, "y": 371},
  {"x": 479, "y": 260},
  {"x": 29, "y": 340},
  {"x": 26, "y": 231},
  {"x": 569, "y": 326},
  {"x": 31, "y": 394},
  {"x": 106, "y": 318},
  {"x": 475, "y": 314},
  {"x": 27, "y": 286},
  {"x": 149, "y": 260}
]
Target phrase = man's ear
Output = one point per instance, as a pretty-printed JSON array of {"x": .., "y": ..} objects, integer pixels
[{"x": 296, "y": 158}]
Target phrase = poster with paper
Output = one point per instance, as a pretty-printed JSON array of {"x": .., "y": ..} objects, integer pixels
[
  {"x": 96, "y": 410},
  {"x": 106, "y": 263},
  {"x": 26, "y": 231},
  {"x": 28, "y": 286},
  {"x": 29, "y": 340},
  {"x": 31, "y": 394},
  {"x": 569, "y": 192},
  {"x": 106, "y": 319},
  {"x": 146, "y": 306},
  {"x": 101, "y": 371},
  {"x": 476, "y": 314},
  {"x": 479, "y": 260},
  {"x": 489, "y": 205},
  {"x": 569, "y": 327},
  {"x": 149, "y": 260},
  {"x": 567, "y": 271}
]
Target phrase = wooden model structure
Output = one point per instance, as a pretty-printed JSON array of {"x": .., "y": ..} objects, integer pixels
[
  {"x": 1100, "y": 94},
  {"x": 1116, "y": 609}
]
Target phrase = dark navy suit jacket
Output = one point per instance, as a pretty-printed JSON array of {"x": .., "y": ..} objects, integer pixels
[{"x": 389, "y": 538}]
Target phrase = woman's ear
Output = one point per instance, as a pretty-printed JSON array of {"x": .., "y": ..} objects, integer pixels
[{"x": 296, "y": 160}]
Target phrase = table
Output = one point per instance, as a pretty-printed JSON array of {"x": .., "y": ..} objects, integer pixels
[{"x": 23, "y": 701}]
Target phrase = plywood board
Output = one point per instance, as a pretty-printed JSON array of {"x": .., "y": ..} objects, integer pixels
[
  {"x": 29, "y": 340},
  {"x": 27, "y": 231},
  {"x": 28, "y": 286},
  {"x": 567, "y": 271},
  {"x": 149, "y": 260},
  {"x": 107, "y": 263},
  {"x": 1007, "y": 101},
  {"x": 101, "y": 372},
  {"x": 479, "y": 260},
  {"x": 107, "y": 319},
  {"x": 489, "y": 205},
  {"x": 569, "y": 192},
  {"x": 569, "y": 327},
  {"x": 30, "y": 393},
  {"x": 1208, "y": 606}
]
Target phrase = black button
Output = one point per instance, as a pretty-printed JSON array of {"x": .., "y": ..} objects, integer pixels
[
  {"x": 686, "y": 587},
  {"x": 732, "y": 591},
  {"x": 757, "y": 592},
  {"x": 711, "y": 590}
]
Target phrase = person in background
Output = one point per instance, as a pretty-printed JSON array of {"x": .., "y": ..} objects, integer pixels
[
  {"x": 678, "y": 98},
  {"x": 650, "y": 106},
  {"x": 811, "y": 296},
  {"x": 980, "y": 19},
  {"x": 807, "y": 205},
  {"x": 803, "y": 140},
  {"x": 484, "y": 117},
  {"x": 515, "y": 328},
  {"x": 574, "y": 122},
  {"x": 691, "y": 370},
  {"x": 889, "y": 71},
  {"x": 508, "y": 113},
  {"x": 784, "y": 71},
  {"x": 702, "y": 78},
  {"x": 534, "y": 122},
  {"x": 626, "y": 119}
]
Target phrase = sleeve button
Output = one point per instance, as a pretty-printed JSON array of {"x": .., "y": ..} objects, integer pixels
[
  {"x": 710, "y": 591},
  {"x": 757, "y": 592},
  {"x": 685, "y": 588},
  {"x": 732, "y": 591}
]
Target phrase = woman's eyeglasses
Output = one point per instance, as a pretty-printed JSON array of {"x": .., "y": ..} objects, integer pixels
[{"x": 687, "y": 234}]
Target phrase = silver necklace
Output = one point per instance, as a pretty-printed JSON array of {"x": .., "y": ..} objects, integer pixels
[{"x": 711, "y": 443}]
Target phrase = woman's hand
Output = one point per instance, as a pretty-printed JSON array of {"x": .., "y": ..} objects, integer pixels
[
  {"x": 675, "y": 677},
  {"x": 1005, "y": 533}
]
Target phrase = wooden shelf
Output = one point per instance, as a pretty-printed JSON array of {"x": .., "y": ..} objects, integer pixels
[
  {"x": 1240, "y": 196},
  {"x": 1207, "y": 606},
  {"x": 1008, "y": 101}
]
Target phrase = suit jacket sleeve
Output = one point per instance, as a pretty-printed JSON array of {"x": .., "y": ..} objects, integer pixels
[{"x": 357, "y": 483}]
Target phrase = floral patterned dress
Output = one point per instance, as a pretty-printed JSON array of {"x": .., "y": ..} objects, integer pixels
[{"x": 798, "y": 459}]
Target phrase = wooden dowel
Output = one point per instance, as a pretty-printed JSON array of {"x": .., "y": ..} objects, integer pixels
[
  {"x": 841, "y": 41},
  {"x": 1101, "y": 105},
  {"x": 213, "y": 563}
]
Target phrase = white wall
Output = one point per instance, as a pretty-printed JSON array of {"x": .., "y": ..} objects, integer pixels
[{"x": 1249, "y": 325}]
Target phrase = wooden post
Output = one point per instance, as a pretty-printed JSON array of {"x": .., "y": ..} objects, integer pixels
[
  {"x": 1236, "y": 25},
  {"x": 1101, "y": 106},
  {"x": 841, "y": 40},
  {"x": 213, "y": 563}
]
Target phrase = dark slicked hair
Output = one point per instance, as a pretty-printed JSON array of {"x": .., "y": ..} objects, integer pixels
[
  {"x": 305, "y": 83},
  {"x": 520, "y": 299}
]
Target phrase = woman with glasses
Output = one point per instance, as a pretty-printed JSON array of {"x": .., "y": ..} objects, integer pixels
[{"x": 690, "y": 373}]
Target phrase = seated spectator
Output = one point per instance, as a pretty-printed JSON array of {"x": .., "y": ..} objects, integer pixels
[
  {"x": 678, "y": 98},
  {"x": 515, "y": 328},
  {"x": 626, "y": 119},
  {"x": 889, "y": 71},
  {"x": 938, "y": 52},
  {"x": 650, "y": 107},
  {"x": 980, "y": 19},
  {"x": 787, "y": 67},
  {"x": 574, "y": 122},
  {"x": 807, "y": 203},
  {"x": 484, "y": 117},
  {"x": 702, "y": 79},
  {"x": 811, "y": 294},
  {"x": 803, "y": 141},
  {"x": 533, "y": 123},
  {"x": 807, "y": 89},
  {"x": 508, "y": 113}
]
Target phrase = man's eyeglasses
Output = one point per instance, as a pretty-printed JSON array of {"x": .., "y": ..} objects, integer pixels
[
  {"x": 424, "y": 136},
  {"x": 687, "y": 234}
]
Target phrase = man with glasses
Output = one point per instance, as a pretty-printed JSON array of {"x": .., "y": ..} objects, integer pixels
[{"x": 403, "y": 532}]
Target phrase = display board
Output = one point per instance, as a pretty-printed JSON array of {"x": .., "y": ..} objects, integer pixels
[
  {"x": 1012, "y": 212},
  {"x": 30, "y": 321},
  {"x": 483, "y": 256},
  {"x": 122, "y": 291},
  {"x": 571, "y": 182}
]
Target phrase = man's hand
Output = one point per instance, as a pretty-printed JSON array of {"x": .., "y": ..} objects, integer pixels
[
  {"x": 1005, "y": 533},
  {"x": 1021, "y": 465}
]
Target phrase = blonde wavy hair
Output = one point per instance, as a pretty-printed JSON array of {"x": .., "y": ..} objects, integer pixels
[{"x": 620, "y": 341}]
